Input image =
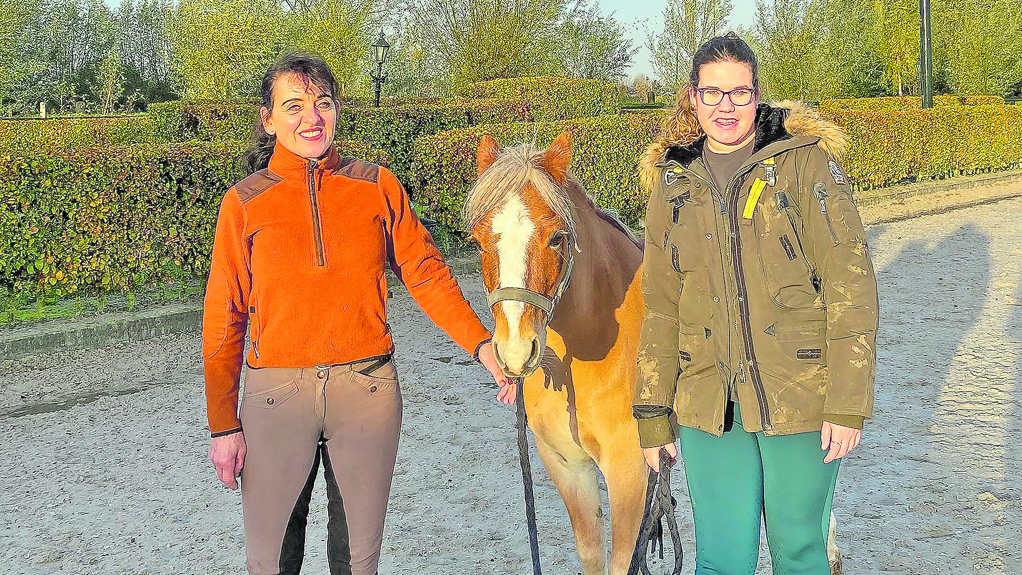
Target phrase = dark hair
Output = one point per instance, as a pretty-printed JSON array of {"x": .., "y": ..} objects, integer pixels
[
  {"x": 726, "y": 48},
  {"x": 311, "y": 69}
]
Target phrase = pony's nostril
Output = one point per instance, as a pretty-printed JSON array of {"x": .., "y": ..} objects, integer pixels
[{"x": 534, "y": 353}]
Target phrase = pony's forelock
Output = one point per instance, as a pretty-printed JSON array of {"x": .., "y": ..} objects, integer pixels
[{"x": 510, "y": 172}]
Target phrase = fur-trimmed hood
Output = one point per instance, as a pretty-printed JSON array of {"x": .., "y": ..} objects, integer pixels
[{"x": 776, "y": 121}]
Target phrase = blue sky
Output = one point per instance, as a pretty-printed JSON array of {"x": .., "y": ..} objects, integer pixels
[{"x": 638, "y": 16}]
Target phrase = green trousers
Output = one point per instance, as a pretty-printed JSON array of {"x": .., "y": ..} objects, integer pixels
[{"x": 735, "y": 479}]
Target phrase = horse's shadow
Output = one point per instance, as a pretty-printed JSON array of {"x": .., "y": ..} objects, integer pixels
[{"x": 557, "y": 376}]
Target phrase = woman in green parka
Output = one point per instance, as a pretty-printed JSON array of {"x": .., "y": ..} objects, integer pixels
[{"x": 761, "y": 315}]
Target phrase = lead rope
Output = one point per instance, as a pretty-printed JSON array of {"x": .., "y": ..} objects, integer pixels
[
  {"x": 523, "y": 457},
  {"x": 659, "y": 505}
]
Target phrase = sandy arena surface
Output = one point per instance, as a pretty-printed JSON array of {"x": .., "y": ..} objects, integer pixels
[{"x": 105, "y": 471}]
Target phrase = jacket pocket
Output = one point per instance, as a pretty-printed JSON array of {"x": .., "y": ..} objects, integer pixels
[
  {"x": 787, "y": 274},
  {"x": 695, "y": 351},
  {"x": 802, "y": 342}
]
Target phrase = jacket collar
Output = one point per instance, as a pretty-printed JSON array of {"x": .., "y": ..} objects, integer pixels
[
  {"x": 779, "y": 126},
  {"x": 769, "y": 129},
  {"x": 284, "y": 161}
]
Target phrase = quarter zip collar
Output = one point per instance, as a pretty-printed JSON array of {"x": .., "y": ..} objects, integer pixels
[{"x": 287, "y": 164}]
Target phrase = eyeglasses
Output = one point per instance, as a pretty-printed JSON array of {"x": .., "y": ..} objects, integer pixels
[{"x": 714, "y": 96}]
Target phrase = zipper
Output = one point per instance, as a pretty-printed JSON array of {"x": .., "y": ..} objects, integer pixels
[
  {"x": 256, "y": 329},
  {"x": 786, "y": 207},
  {"x": 820, "y": 191},
  {"x": 743, "y": 299},
  {"x": 736, "y": 251},
  {"x": 317, "y": 225}
]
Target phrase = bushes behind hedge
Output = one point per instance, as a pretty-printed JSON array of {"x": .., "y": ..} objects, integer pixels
[
  {"x": 74, "y": 133},
  {"x": 890, "y": 147},
  {"x": 606, "y": 154},
  {"x": 204, "y": 120},
  {"x": 114, "y": 218},
  {"x": 553, "y": 98},
  {"x": 394, "y": 129},
  {"x": 904, "y": 103}
]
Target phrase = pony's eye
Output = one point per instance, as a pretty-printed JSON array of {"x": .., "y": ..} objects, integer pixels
[
  {"x": 475, "y": 245},
  {"x": 557, "y": 239}
]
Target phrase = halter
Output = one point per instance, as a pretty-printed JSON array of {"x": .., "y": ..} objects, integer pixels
[{"x": 547, "y": 304}]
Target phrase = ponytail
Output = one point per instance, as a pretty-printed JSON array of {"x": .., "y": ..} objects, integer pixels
[{"x": 257, "y": 156}]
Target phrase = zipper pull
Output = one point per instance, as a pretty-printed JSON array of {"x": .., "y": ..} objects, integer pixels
[
  {"x": 820, "y": 191},
  {"x": 723, "y": 206},
  {"x": 782, "y": 200}
]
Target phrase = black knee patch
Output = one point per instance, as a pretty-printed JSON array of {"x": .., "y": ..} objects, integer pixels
[
  {"x": 292, "y": 548},
  {"x": 338, "y": 544}
]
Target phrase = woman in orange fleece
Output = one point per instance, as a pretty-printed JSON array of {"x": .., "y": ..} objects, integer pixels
[{"x": 299, "y": 256}]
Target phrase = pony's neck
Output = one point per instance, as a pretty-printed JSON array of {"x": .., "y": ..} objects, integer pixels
[{"x": 603, "y": 271}]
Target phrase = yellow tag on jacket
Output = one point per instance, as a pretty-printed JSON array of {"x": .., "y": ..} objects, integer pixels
[{"x": 750, "y": 205}]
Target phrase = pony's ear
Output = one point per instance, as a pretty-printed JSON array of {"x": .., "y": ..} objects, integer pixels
[
  {"x": 486, "y": 154},
  {"x": 558, "y": 158}
]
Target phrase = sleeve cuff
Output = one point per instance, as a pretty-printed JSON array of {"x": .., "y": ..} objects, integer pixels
[
  {"x": 853, "y": 421},
  {"x": 223, "y": 433},
  {"x": 475, "y": 354},
  {"x": 655, "y": 431}
]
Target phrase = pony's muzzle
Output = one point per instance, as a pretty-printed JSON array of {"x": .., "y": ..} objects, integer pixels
[{"x": 521, "y": 358}]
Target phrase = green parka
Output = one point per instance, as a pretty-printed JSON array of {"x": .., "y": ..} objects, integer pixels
[{"x": 766, "y": 287}]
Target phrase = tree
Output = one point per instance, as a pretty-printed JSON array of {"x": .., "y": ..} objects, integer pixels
[
  {"x": 18, "y": 63},
  {"x": 475, "y": 40},
  {"x": 222, "y": 47},
  {"x": 687, "y": 25},
  {"x": 412, "y": 72},
  {"x": 895, "y": 39},
  {"x": 344, "y": 30},
  {"x": 144, "y": 48},
  {"x": 110, "y": 81},
  {"x": 988, "y": 58},
  {"x": 794, "y": 60},
  {"x": 643, "y": 87},
  {"x": 594, "y": 46}
]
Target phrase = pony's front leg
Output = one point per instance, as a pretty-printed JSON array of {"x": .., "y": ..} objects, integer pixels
[
  {"x": 625, "y": 473},
  {"x": 574, "y": 475}
]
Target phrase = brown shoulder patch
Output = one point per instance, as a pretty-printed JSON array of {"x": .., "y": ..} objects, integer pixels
[
  {"x": 359, "y": 170},
  {"x": 256, "y": 184}
]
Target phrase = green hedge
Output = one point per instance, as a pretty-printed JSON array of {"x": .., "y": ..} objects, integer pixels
[
  {"x": 114, "y": 218},
  {"x": 904, "y": 103},
  {"x": 204, "y": 120},
  {"x": 607, "y": 152},
  {"x": 75, "y": 133},
  {"x": 887, "y": 148},
  {"x": 553, "y": 98},
  {"x": 394, "y": 129}
]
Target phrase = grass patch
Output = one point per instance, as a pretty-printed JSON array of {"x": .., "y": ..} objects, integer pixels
[{"x": 18, "y": 309}]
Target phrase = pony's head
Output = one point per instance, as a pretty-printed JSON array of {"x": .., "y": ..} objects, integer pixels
[{"x": 519, "y": 216}]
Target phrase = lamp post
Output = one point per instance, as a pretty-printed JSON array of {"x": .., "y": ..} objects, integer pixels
[
  {"x": 381, "y": 49},
  {"x": 925, "y": 55}
]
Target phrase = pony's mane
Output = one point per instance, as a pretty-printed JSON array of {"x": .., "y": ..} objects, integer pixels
[{"x": 515, "y": 167}]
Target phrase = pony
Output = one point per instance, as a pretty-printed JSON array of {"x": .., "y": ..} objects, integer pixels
[
  {"x": 565, "y": 290},
  {"x": 564, "y": 282}
]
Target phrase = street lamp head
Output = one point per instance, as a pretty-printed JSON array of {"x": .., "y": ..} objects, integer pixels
[{"x": 381, "y": 49}]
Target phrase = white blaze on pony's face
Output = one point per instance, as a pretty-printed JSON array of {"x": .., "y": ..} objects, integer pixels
[
  {"x": 513, "y": 230},
  {"x": 521, "y": 240}
]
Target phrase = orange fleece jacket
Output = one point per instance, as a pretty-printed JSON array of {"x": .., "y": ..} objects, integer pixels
[{"x": 299, "y": 257}]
